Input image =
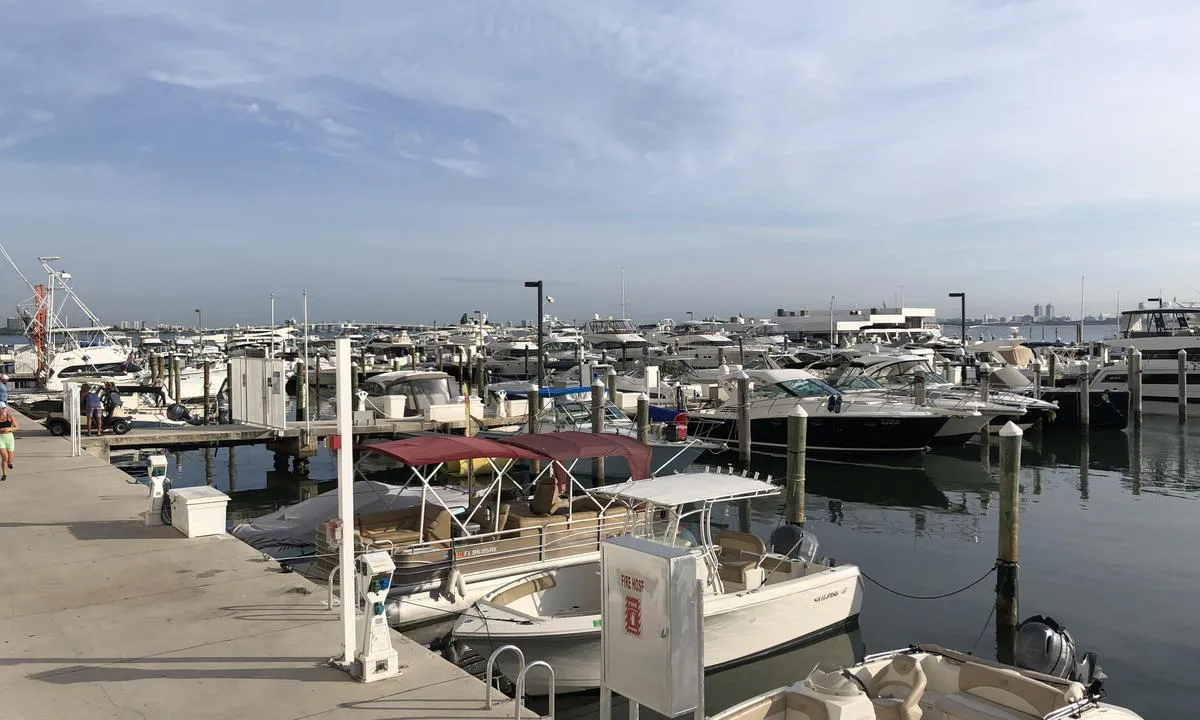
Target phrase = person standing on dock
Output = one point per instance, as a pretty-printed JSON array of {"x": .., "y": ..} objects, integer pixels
[
  {"x": 8, "y": 426},
  {"x": 3, "y": 390},
  {"x": 93, "y": 408}
]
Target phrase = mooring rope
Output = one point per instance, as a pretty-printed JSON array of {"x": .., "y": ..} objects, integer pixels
[{"x": 991, "y": 570}]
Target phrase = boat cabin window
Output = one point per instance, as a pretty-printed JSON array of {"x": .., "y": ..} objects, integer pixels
[{"x": 101, "y": 369}]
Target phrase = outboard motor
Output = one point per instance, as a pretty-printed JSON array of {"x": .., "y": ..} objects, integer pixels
[
  {"x": 1044, "y": 645},
  {"x": 178, "y": 412},
  {"x": 794, "y": 542}
]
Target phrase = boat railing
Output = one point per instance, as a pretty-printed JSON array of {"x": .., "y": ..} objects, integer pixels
[
  {"x": 511, "y": 546},
  {"x": 1074, "y": 709}
]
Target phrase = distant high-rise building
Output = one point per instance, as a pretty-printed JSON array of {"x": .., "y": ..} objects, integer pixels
[
  {"x": 1037, "y": 312},
  {"x": 1050, "y": 311}
]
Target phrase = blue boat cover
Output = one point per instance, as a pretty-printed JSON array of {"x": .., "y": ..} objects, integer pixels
[
  {"x": 551, "y": 392},
  {"x": 663, "y": 414}
]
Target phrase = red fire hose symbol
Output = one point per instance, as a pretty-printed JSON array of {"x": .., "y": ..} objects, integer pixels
[{"x": 633, "y": 616}]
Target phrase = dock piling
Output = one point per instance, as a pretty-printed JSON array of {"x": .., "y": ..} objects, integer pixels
[
  {"x": 1134, "y": 367},
  {"x": 985, "y": 382},
  {"x": 1085, "y": 401},
  {"x": 610, "y": 382},
  {"x": 177, "y": 372},
  {"x": 797, "y": 456},
  {"x": 1036, "y": 366},
  {"x": 533, "y": 407},
  {"x": 643, "y": 418},
  {"x": 743, "y": 417},
  {"x": 1183, "y": 381},
  {"x": 1052, "y": 372},
  {"x": 1007, "y": 605},
  {"x": 207, "y": 389},
  {"x": 597, "y": 428},
  {"x": 301, "y": 391}
]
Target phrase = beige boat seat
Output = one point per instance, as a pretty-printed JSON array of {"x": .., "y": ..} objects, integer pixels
[
  {"x": 739, "y": 551},
  {"x": 784, "y": 705},
  {"x": 992, "y": 693},
  {"x": 896, "y": 691},
  {"x": 545, "y": 498}
]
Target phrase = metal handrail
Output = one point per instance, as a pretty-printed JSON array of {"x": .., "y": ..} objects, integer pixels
[
  {"x": 332, "y": 573},
  {"x": 1073, "y": 709},
  {"x": 491, "y": 666},
  {"x": 520, "y": 698}
]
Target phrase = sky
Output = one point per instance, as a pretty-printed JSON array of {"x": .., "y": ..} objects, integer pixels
[{"x": 414, "y": 160}]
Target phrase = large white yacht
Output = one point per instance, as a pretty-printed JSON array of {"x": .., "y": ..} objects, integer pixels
[
  {"x": 614, "y": 336},
  {"x": 837, "y": 423},
  {"x": 1159, "y": 334}
]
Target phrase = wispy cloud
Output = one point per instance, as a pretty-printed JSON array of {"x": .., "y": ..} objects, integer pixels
[{"x": 799, "y": 129}]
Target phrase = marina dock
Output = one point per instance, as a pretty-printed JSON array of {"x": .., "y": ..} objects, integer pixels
[
  {"x": 102, "y": 616},
  {"x": 191, "y": 436}
]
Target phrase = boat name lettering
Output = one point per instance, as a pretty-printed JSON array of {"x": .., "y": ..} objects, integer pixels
[{"x": 829, "y": 595}]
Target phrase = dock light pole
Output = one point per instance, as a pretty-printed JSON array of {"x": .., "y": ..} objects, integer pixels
[
  {"x": 962, "y": 296},
  {"x": 200, "y": 325},
  {"x": 541, "y": 365},
  {"x": 832, "y": 330}
]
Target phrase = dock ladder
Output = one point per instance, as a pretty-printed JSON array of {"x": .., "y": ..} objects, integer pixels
[{"x": 519, "y": 699}]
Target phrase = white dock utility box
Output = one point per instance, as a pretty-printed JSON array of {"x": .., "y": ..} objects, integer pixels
[{"x": 198, "y": 511}]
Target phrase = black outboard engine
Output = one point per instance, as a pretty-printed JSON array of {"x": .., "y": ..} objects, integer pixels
[
  {"x": 794, "y": 542},
  {"x": 179, "y": 413},
  {"x": 1044, "y": 645}
]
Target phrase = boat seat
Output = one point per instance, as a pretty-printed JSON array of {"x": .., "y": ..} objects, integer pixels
[
  {"x": 992, "y": 693},
  {"x": 545, "y": 498},
  {"x": 806, "y": 707},
  {"x": 739, "y": 553},
  {"x": 896, "y": 691}
]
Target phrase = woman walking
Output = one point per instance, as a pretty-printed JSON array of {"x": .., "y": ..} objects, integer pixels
[{"x": 8, "y": 426}]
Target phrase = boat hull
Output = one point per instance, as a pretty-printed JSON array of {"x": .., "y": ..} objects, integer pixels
[
  {"x": 827, "y": 435},
  {"x": 738, "y": 628}
]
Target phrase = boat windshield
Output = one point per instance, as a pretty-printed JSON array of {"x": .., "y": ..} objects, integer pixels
[
  {"x": 421, "y": 393},
  {"x": 612, "y": 327},
  {"x": 1165, "y": 322},
  {"x": 807, "y": 388},
  {"x": 856, "y": 382},
  {"x": 580, "y": 411}
]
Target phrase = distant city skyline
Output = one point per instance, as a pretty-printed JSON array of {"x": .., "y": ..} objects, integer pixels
[{"x": 416, "y": 160}]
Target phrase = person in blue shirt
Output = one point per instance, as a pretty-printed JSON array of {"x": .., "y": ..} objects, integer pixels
[
  {"x": 3, "y": 390},
  {"x": 93, "y": 409}
]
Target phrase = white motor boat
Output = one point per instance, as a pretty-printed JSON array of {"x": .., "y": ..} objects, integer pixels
[
  {"x": 836, "y": 423},
  {"x": 450, "y": 553},
  {"x": 936, "y": 684},
  {"x": 756, "y": 601}
]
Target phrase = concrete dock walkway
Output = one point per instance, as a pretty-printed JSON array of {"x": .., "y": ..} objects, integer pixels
[{"x": 103, "y": 617}]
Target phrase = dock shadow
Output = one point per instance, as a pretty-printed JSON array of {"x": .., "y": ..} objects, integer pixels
[
  {"x": 239, "y": 668},
  {"x": 107, "y": 529}
]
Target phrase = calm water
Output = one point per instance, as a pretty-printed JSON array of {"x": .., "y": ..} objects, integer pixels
[{"x": 1107, "y": 532}]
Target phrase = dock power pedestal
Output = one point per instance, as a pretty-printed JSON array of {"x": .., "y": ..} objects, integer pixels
[
  {"x": 375, "y": 659},
  {"x": 156, "y": 472}
]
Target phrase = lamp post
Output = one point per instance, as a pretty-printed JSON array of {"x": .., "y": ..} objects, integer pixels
[
  {"x": 200, "y": 325},
  {"x": 541, "y": 365},
  {"x": 962, "y": 296}
]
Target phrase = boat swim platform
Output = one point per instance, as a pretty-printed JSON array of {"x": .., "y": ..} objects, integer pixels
[
  {"x": 104, "y": 617},
  {"x": 197, "y": 436}
]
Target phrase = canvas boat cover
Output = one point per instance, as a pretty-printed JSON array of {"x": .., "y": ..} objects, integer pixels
[
  {"x": 572, "y": 445},
  {"x": 296, "y": 525},
  {"x": 434, "y": 449}
]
